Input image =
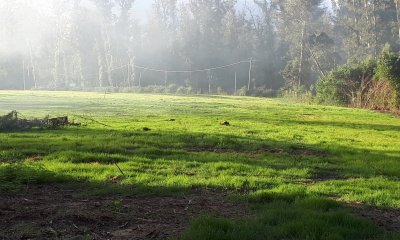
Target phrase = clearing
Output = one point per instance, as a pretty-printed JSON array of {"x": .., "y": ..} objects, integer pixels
[{"x": 276, "y": 171}]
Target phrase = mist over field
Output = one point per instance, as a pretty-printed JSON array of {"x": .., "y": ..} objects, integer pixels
[{"x": 87, "y": 44}]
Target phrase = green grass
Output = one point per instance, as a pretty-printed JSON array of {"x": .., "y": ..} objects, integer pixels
[{"x": 271, "y": 151}]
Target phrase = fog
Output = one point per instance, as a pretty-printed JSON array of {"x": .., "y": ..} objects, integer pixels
[{"x": 193, "y": 46}]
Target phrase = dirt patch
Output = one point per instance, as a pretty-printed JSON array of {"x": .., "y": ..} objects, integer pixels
[
  {"x": 387, "y": 218},
  {"x": 290, "y": 151},
  {"x": 49, "y": 212},
  {"x": 34, "y": 158},
  {"x": 321, "y": 175}
]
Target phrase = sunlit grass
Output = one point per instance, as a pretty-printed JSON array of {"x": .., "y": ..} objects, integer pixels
[{"x": 270, "y": 149}]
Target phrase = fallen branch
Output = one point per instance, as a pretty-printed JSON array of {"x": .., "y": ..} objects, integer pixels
[{"x": 12, "y": 121}]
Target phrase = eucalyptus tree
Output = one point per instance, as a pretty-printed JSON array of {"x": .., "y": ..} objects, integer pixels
[
  {"x": 297, "y": 21},
  {"x": 397, "y": 7},
  {"x": 268, "y": 44},
  {"x": 365, "y": 26}
]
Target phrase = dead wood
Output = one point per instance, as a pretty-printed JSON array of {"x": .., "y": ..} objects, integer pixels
[{"x": 12, "y": 121}]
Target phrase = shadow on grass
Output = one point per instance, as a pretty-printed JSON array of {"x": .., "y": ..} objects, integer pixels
[
  {"x": 364, "y": 126},
  {"x": 284, "y": 212},
  {"x": 17, "y": 176},
  {"x": 289, "y": 215},
  {"x": 86, "y": 145}
]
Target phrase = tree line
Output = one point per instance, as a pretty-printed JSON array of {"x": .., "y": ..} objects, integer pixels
[{"x": 91, "y": 44}]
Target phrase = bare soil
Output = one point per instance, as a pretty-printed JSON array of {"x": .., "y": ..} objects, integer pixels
[
  {"x": 321, "y": 175},
  {"x": 387, "y": 218},
  {"x": 54, "y": 212}
]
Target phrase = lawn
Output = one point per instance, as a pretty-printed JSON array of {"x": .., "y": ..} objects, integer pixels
[{"x": 305, "y": 171}]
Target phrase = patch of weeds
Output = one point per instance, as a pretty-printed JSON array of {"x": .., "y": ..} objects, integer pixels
[{"x": 116, "y": 205}]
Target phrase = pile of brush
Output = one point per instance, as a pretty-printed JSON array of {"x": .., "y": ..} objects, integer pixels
[{"x": 12, "y": 121}]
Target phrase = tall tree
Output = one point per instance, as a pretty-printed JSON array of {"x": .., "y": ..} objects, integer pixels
[{"x": 297, "y": 21}]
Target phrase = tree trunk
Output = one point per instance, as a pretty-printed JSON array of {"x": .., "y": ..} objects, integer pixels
[
  {"x": 80, "y": 73},
  {"x": 107, "y": 53},
  {"x": 33, "y": 72},
  {"x": 128, "y": 79},
  {"x": 109, "y": 62},
  {"x": 375, "y": 29},
  {"x": 100, "y": 64},
  {"x": 303, "y": 32},
  {"x": 316, "y": 62},
  {"x": 235, "y": 84},
  {"x": 209, "y": 82},
  {"x": 397, "y": 4},
  {"x": 65, "y": 68},
  {"x": 56, "y": 64},
  {"x": 358, "y": 35}
]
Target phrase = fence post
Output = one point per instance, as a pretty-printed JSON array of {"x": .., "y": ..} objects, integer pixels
[
  {"x": 165, "y": 78},
  {"x": 235, "y": 85},
  {"x": 140, "y": 78},
  {"x": 209, "y": 82}
]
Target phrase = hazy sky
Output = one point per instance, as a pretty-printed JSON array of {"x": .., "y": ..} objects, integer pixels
[{"x": 143, "y": 7}]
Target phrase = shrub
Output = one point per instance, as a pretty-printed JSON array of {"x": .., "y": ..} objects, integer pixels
[
  {"x": 298, "y": 94},
  {"x": 347, "y": 85},
  {"x": 264, "y": 92},
  {"x": 184, "y": 91},
  {"x": 153, "y": 89},
  {"x": 172, "y": 88},
  {"x": 242, "y": 91},
  {"x": 388, "y": 69},
  {"x": 368, "y": 84}
]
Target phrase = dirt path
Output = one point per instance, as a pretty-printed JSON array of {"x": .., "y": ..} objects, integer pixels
[{"x": 49, "y": 212}]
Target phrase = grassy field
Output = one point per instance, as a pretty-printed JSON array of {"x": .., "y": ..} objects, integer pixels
[{"x": 302, "y": 168}]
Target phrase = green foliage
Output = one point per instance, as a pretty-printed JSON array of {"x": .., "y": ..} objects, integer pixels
[
  {"x": 342, "y": 86},
  {"x": 184, "y": 91},
  {"x": 242, "y": 91},
  {"x": 297, "y": 94},
  {"x": 388, "y": 69},
  {"x": 368, "y": 84},
  {"x": 291, "y": 73},
  {"x": 172, "y": 88}
]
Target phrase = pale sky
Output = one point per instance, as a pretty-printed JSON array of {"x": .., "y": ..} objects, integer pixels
[{"x": 143, "y": 7}]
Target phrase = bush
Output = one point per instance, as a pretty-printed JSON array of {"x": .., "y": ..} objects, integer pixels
[
  {"x": 369, "y": 84},
  {"x": 298, "y": 94},
  {"x": 264, "y": 92},
  {"x": 184, "y": 91},
  {"x": 388, "y": 70},
  {"x": 172, "y": 88},
  {"x": 347, "y": 85},
  {"x": 242, "y": 91}
]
